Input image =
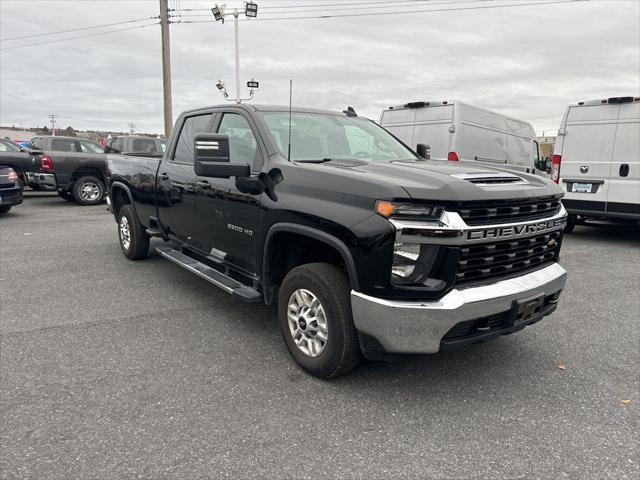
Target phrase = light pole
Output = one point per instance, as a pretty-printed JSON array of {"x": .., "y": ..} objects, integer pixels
[{"x": 250, "y": 11}]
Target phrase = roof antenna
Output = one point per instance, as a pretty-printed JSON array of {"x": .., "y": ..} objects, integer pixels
[{"x": 290, "y": 98}]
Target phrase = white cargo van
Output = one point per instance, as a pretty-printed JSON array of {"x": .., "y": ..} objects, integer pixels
[
  {"x": 597, "y": 160},
  {"x": 457, "y": 131}
]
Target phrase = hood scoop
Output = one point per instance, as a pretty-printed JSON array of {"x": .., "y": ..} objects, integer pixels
[{"x": 491, "y": 178}]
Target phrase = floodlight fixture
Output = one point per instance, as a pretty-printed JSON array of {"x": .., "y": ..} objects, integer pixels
[
  {"x": 251, "y": 9},
  {"x": 218, "y": 13},
  {"x": 253, "y": 85}
]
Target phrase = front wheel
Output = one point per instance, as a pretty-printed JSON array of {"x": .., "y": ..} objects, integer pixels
[
  {"x": 134, "y": 241},
  {"x": 88, "y": 190},
  {"x": 314, "y": 312}
]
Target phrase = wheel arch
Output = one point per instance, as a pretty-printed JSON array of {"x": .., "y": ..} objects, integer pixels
[
  {"x": 118, "y": 191},
  {"x": 314, "y": 234}
]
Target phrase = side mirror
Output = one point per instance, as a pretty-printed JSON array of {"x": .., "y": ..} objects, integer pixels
[
  {"x": 211, "y": 157},
  {"x": 35, "y": 151},
  {"x": 424, "y": 151}
]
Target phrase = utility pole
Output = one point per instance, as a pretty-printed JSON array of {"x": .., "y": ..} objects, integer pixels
[
  {"x": 52, "y": 119},
  {"x": 166, "y": 66},
  {"x": 132, "y": 128}
]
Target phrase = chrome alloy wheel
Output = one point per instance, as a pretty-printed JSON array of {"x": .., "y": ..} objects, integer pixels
[
  {"x": 125, "y": 233},
  {"x": 307, "y": 322},
  {"x": 89, "y": 191}
]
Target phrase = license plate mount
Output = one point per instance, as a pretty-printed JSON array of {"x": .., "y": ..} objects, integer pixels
[{"x": 527, "y": 310}]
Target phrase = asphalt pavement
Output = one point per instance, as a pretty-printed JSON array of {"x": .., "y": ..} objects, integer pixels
[{"x": 116, "y": 369}]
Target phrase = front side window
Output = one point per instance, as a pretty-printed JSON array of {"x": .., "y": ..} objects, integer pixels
[
  {"x": 243, "y": 147},
  {"x": 318, "y": 136},
  {"x": 90, "y": 147},
  {"x": 190, "y": 128},
  {"x": 63, "y": 145}
]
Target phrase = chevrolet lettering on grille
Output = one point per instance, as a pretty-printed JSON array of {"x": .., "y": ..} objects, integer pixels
[{"x": 515, "y": 231}]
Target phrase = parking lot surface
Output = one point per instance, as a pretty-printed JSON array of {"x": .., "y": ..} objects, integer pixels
[{"x": 119, "y": 369}]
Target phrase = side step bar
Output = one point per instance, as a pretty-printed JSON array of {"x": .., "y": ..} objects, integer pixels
[{"x": 211, "y": 275}]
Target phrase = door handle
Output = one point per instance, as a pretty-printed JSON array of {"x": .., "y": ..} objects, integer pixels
[
  {"x": 164, "y": 176},
  {"x": 203, "y": 184},
  {"x": 624, "y": 170}
]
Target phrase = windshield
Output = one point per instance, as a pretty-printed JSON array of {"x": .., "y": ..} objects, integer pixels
[
  {"x": 8, "y": 146},
  {"x": 317, "y": 136}
]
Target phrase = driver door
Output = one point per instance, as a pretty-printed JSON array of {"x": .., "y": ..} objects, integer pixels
[{"x": 227, "y": 218}]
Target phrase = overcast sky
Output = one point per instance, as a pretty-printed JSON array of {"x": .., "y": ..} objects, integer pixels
[{"x": 528, "y": 61}]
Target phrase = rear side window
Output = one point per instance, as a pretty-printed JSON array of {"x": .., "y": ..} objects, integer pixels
[
  {"x": 37, "y": 143},
  {"x": 63, "y": 145},
  {"x": 146, "y": 145},
  {"x": 190, "y": 128}
]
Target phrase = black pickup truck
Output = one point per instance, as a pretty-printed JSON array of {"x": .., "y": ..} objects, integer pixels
[
  {"x": 366, "y": 247},
  {"x": 75, "y": 167},
  {"x": 12, "y": 155}
]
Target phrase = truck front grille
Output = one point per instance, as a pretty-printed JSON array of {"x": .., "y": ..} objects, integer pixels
[
  {"x": 487, "y": 260},
  {"x": 508, "y": 212}
]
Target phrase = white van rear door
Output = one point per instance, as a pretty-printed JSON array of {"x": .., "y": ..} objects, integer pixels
[
  {"x": 586, "y": 153},
  {"x": 400, "y": 123},
  {"x": 623, "y": 195}
]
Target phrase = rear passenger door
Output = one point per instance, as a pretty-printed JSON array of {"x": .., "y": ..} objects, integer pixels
[{"x": 227, "y": 217}]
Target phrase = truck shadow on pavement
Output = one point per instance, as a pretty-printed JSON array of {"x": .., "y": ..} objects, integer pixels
[{"x": 605, "y": 232}]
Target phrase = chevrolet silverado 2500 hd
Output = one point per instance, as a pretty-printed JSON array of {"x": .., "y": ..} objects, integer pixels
[{"x": 366, "y": 247}]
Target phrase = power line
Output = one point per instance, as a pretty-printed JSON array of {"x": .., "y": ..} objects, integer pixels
[
  {"x": 369, "y": 7},
  {"x": 386, "y": 12},
  {"x": 312, "y": 5},
  {"x": 80, "y": 36},
  {"x": 77, "y": 29}
]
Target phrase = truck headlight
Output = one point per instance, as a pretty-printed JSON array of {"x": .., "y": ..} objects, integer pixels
[
  {"x": 412, "y": 262},
  {"x": 408, "y": 211}
]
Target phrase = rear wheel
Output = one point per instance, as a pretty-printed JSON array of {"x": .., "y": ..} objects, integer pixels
[
  {"x": 5, "y": 208},
  {"x": 314, "y": 312},
  {"x": 88, "y": 190},
  {"x": 134, "y": 240}
]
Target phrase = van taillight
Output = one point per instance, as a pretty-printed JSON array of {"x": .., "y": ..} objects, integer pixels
[
  {"x": 46, "y": 163},
  {"x": 452, "y": 157},
  {"x": 555, "y": 167}
]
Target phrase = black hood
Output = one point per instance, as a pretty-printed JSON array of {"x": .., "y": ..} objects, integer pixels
[{"x": 449, "y": 181}]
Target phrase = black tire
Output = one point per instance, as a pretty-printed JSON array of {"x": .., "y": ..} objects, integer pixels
[
  {"x": 138, "y": 242},
  {"x": 88, "y": 190},
  {"x": 5, "y": 208},
  {"x": 341, "y": 351},
  {"x": 571, "y": 224},
  {"x": 66, "y": 195}
]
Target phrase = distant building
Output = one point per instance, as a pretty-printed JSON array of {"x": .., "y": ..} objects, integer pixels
[{"x": 546, "y": 146}]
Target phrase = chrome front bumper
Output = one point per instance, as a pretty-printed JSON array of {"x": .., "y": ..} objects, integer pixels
[
  {"x": 45, "y": 179},
  {"x": 419, "y": 327}
]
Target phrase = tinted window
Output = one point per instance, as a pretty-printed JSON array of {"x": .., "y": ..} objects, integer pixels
[
  {"x": 90, "y": 147},
  {"x": 63, "y": 145},
  {"x": 243, "y": 147},
  {"x": 37, "y": 143},
  {"x": 146, "y": 145},
  {"x": 191, "y": 127}
]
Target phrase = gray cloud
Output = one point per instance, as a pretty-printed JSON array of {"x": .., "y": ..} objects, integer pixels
[{"x": 529, "y": 62}]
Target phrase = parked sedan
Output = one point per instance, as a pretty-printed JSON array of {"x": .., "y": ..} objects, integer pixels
[{"x": 10, "y": 189}]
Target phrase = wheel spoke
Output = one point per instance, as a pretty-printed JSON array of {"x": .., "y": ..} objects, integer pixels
[{"x": 307, "y": 322}]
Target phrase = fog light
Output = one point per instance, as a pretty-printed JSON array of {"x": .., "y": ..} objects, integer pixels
[{"x": 412, "y": 262}]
